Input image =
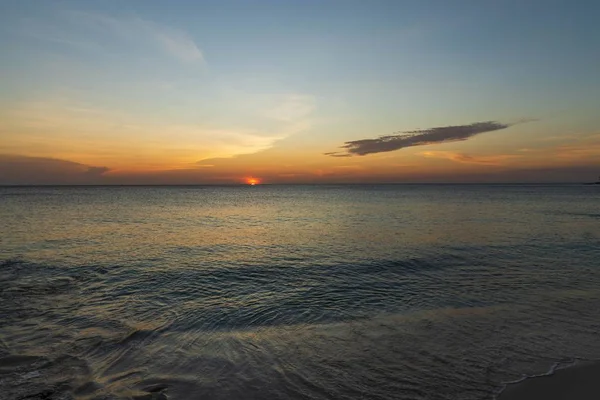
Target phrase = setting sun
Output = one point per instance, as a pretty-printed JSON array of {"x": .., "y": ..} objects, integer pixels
[{"x": 252, "y": 181}]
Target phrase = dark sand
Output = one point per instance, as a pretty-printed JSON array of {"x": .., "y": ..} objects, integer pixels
[{"x": 579, "y": 382}]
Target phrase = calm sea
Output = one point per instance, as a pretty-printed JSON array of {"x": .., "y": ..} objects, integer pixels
[{"x": 294, "y": 292}]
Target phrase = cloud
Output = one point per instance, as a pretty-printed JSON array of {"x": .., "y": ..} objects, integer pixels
[
  {"x": 19, "y": 169},
  {"x": 337, "y": 154},
  {"x": 179, "y": 45},
  {"x": 98, "y": 32},
  {"x": 419, "y": 137},
  {"x": 292, "y": 107},
  {"x": 138, "y": 30},
  {"x": 96, "y": 171},
  {"x": 85, "y": 133},
  {"x": 589, "y": 148},
  {"x": 468, "y": 159},
  {"x": 576, "y": 148}
]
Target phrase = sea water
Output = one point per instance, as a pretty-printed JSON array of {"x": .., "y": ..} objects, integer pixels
[{"x": 294, "y": 292}]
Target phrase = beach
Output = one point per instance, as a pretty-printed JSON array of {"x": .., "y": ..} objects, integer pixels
[{"x": 579, "y": 382}]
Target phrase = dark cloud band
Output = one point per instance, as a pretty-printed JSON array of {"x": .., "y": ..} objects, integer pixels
[{"x": 418, "y": 137}]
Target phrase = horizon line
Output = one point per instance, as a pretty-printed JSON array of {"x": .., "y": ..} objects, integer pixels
[{"x": 284, "y": 184}]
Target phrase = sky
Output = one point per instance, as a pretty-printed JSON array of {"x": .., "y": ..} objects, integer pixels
[{"x": 299, "y": 91}]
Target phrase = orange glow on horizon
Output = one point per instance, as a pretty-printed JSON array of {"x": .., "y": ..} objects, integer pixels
[{"x": 252, "y": 181}]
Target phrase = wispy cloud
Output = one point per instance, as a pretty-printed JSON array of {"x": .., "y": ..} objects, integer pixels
[
  {"x": 179, "y": 44},
  {"x": 337, "y": 154},
  {"x": 291, "y": 108},
  {"x": 580, "y": 152},
  {"x": 469, "y": 159},
  {"x": 419, "y": 137},
  {"x": 89, "y": 134},
  {"x": 96, "y": 32},
  {"x": 96, "y": 171},
  {"x": 576, "y": 148}
]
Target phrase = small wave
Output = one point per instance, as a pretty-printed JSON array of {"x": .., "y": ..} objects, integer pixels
[
  {"x": 37, "y": 377},
  {"x": 418, "y": 326}
]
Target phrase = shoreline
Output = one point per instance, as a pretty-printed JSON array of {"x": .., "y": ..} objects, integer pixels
[{"x": 573, "y": 381}]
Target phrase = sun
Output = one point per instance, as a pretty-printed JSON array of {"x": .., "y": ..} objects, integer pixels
[{"x": 252, "y": 181}]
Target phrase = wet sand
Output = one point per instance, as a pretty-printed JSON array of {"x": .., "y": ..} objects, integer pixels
[{"x": 579, "y": 382}]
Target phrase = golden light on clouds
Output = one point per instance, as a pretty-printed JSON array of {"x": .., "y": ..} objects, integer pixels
[{"x": 123, "y": 141}]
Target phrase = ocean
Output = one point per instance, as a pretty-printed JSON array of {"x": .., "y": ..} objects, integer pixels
[{"x": 294, "y": 292}]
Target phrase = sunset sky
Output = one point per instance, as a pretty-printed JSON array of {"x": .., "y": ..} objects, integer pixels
[{"x": 305, "y": 91}]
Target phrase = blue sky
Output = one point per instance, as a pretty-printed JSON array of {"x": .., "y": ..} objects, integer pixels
[{"x": 164, "y": 85}]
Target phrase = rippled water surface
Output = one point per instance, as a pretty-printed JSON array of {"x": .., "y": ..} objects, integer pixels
[{"x": 294, "y": 292}]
